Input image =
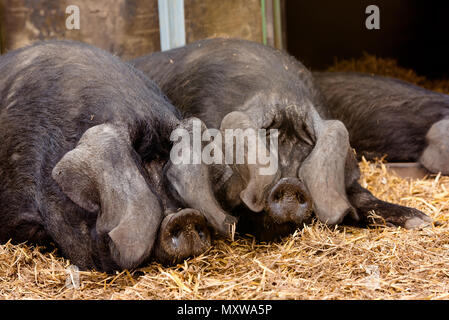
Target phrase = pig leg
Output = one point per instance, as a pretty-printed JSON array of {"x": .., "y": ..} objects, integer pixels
[
  {"x": 388, "y": 213},
  {"x": 435, "y": 157},
  {"x": 365, "y": 203},
  {"x": 102, "y": 175}
]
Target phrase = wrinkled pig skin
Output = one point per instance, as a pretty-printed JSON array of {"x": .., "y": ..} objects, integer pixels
[
  {"x": 264, "y": 88},
  {"x": 78, "y": 129},
  {"x": 390, "y": 117}
]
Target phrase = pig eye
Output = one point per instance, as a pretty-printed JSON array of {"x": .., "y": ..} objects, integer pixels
[
  {"x": 271, "y": 122},
  {"x": 305, "y": 134}
]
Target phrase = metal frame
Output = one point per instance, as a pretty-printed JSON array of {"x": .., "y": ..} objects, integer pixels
[
  {"x": 171, "y": 24},
  {"x": 272, "y": 23}
]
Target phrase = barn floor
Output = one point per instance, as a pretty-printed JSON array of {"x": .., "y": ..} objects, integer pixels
[{"x": 316, "y": 262}]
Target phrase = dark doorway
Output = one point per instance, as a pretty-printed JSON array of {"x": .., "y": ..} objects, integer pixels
[{"x": 414, "y": 32}]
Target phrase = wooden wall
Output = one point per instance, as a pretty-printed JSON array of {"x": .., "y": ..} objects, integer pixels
[
  {"x": 127, "y": 28},
  {"x": 223, "y": 18}
]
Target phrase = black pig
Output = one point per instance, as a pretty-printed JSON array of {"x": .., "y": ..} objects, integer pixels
[
  {"x": 386, "y": 116},
  {"x": 77, "y": 129},
  {"x": 231, "y": 83}
]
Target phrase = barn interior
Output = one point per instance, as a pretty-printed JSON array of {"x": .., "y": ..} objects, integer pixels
[
  {"x": 410, "y": 32},
  {"x": 316, "y": 32},
  {"x": 316, "y": 262}
]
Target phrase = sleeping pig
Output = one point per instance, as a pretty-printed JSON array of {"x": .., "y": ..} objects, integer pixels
[
  {"x": 231, "y": 84},
  {"x": 78, "y": 128},
  {"x": 386, "y": 116}
]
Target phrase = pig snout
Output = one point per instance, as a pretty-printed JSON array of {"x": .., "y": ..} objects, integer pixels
[
  {"x": 289, "y": 201},
  {"x": 181, "y": 235}
]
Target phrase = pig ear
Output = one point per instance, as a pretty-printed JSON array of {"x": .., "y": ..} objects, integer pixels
[
  {"x": 323, "y": 171},
  {"x": 192, "y": 183},
  {"x": 255, "y": 193},
  {"x": 72, "y": 173},
  {"x": 102, "y": 173}
]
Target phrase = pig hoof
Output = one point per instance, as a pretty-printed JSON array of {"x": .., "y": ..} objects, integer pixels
[
  {"x": 181, "y": 235},
  {"x": 418, "y": 222},
  {"x": 289, "y": 202},
  {"x": 410, "y": 219},
  {"x": 399, "y": 216}
]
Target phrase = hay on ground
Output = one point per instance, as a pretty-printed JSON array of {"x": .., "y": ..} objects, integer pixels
[
  {"x": 389, "y": 68},
  {"x": 316, "y": 262}
]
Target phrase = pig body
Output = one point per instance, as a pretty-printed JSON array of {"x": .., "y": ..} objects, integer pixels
[
  {"x": 386, "y": 116},
  {"x": 78, "y": 128},
  {"x": 235, "y": 83}
]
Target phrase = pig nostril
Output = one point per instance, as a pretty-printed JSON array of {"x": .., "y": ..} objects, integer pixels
[
  {"x": 176, "y": 232},
  {"x": 201, "y": 234},
  {"x": 277, "y": 197},
  {"x": 254, "y": 199},
  {"x": 301, "y": 198}
]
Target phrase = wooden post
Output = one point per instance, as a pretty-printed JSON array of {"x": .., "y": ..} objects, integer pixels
[
  {"x": 269, "y": 21},
  {"x": 278, "y": 33},
  {"x": 264, "y": 22},
  {"x": 272, "y": 23},
  {"x": 171, "y": 24},
  {"x": 1, "y": 33}
]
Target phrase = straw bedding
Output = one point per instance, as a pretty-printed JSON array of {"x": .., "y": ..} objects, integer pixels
[{"x": 316, "y": 262}]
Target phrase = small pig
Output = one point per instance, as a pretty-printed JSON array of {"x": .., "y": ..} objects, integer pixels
[
  {"x": 386, "y": 116},
  {"x": 231, "y": 83},
  {"x": 78, "y": 128}
]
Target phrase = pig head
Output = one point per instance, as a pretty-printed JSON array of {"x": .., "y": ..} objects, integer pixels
[
  {"x": 231, "y": 84},
  {"x": 311, "y": 156}
]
